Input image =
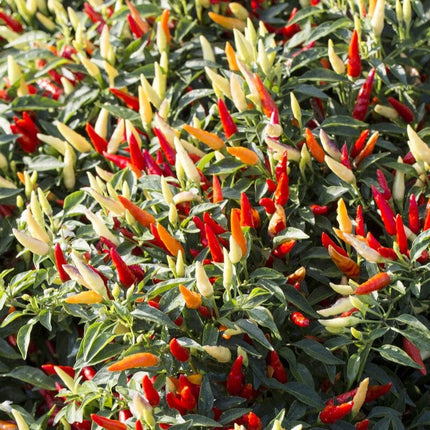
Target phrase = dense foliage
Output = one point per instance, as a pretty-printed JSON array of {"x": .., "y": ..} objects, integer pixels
[{"x": 214, "y": 214}]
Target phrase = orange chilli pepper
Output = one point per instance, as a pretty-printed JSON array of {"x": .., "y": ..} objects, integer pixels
[
  {"x": 227, "y": 22},
  {"x": 206, "y": 137},
  {"x": 165, "y": 24},
  {"x": 140, "y": 359},
  {"x": 172, "y": 245},
  {"x": 231, "y": 57},
  {"x": 315, "y": 148},
  {"x": 143, "y": 217},
  {"x": 376, "y": 282},
  {"x": 344, "y": 264},
  {"x": 216, "y": 190},
  {"x": 236, "y": 230},
  {"x": 247, "y": 156},
  {"x": 192, "y": 300}
]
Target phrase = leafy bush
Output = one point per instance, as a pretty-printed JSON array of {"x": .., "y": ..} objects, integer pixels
[{"x": 214, "y": 215}]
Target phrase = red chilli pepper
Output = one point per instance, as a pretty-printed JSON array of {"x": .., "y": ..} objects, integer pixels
[
  {"x": 401, "y": 238},
  {"x": 387, "y": 214},
  {"x": 151, "y": 393},
  {"x": 327, "y": 241},
  {"x": 214, "y": 245},
  {"x": 319, "y": 210},
  {"x": 282, "y": 165},
  {"x": 119, "y": 160},
  {"x": 88, "y": 373},
  {"x": 359, "y": 222},
  {"x": 246, "y": 219},
  {"x": 268, "y": 204},
  {"x": 217, "y": 229},
  {"x": 27, "y": 130},
  {"x": 362, "y": 425},
  {"x": 414, "y": 353},
  {"x": 178, "y": 351},
  {"x": 282, "y": 191},
  {"x": 137, "y": 159},
  {"x": 188, "y": 400},
  {"x": 375, "y": 283},
  {"x": 60, "y": 259},
  {"x": 275, "y": 363},
  {"x": 376, "y": 391},
  {"x": 132, "y": 102},
  {"x": 332, "y": 413},
  {"x": 284, "y": 248},
  {"x": 99, "y": 143},
  {"x": 125, "y": 275},
  {"x": 267, "y": 102},
  {"x": 235, "y": 377},
  {"x": 363, "y": 98},
  {"x": 151, "y": 166},
  {"x": 382, "y": 181},
  {"x": 49, "y": 369},
  {"x": 344, "y": 157},
  {"x": 12, "y": 23},
  {"x": 359, "y": 143},
  {"x": 201, "y": 226},
  {"x": 353, "y": 68},
  {"x": 108, "y": 423},
  {"x": 402, "y": 110},
  {"x": 413, "y": 215},
  {"x": 165, "y": 146},
  {"x": 227, "y": 122},
  {"x": 299, "y": 319},
  {"x": 254, "y": 422}
]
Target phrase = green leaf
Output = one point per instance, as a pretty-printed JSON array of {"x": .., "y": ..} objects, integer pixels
[
  {"x": 96, "y": 340},
  {"x": 304, "y": 393},
  {"x": 254, "y": 332},
  {"x": 23, "y": 337},
  {"x": 317, "y": 351},
  {"x": 8, "y": 194},
  {"x": 32, "y": 376},
  {"x": 149, "y": 313},
  {"x": 263, "y": 317},
  {"x": 299, "y": 301},
  {"x": 290, "y": 233},
  {"x": 328, "y": 28},
  {"x": 34, "y": 102},
  {"x": 420, "y": 244},
  {"x": 194, "y": 95},
  {"x": 225, "y": 166},
  {"x": 232, "y": 414},
  {"x": 121, "y": 112},
  {"x": 6, "y": 351},
  {"x": 72, "y": 200},
  {"x": 201, "y": 420},
  {"x": 320, "y": 74},
  {"x": 206, "y": 397},
  {"x": 43, "y": 163},
  {"x": 397, "y": 355}
]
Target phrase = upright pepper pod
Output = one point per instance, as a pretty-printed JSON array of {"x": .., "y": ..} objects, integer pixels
[
  {"x": 353, "y": 67},
  {"x": 227, "y": 122},
  {"x": 387, "y": 214},
  {"x": 363, "y": 98},
  {"x": 235, "y": 377},
  {"x": 178, "y": 351}
]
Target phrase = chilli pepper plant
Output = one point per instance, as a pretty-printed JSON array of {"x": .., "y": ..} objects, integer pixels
[{"x": 214, "y": 214}]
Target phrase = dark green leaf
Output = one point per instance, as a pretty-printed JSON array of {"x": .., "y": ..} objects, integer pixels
[
  {"x": 397, "y": 355},
  {"x": 318, "y": 351},
  {"x": 72, "y": 200},
  {"x": 232, "y": 414},
  {"x": 32, "y": 376},
  {"x": 320, "y": 74},
  {"x": 304, "y": 393},
  {"x": 420, "y": 244},
  {"x": 23, "y": 337},
  {"x": 34, "y": 102},
  {"x": 254, "y": 332},
  {"x": 43, "y": 163},
  {"x": 149, "y": 313},
  {"x": 299, "y": 301}
]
